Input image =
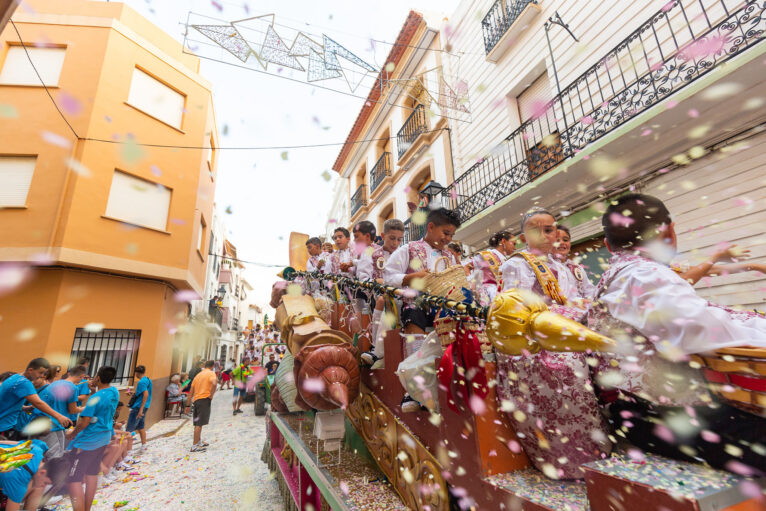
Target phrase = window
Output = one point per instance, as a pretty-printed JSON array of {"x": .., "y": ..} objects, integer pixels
[
  {"x": 200, "y": 235},
  {"x": 153, "y": 97},
  {"x": 210, "y": 155},
  {"x": 116, "y": 348},
  {"x": 18, "y": 71},
  {"x": 542, "y": 140},
  {"x": 139, "y": 202},
  {"x": 15, "y": 178}
]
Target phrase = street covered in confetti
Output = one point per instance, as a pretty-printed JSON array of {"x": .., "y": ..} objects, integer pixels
[{"x": 419, "y": 255}]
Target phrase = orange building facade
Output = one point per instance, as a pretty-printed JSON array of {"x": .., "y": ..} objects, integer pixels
[{"x": 117, "y": 232}]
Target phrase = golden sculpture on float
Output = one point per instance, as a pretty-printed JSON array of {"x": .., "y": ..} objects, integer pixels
[{"x": 520, "y": 321}]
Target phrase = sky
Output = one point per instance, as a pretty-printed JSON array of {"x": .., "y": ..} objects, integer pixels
[{"x": 264, "y": 195}]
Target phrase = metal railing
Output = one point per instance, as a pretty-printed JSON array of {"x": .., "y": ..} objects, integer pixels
[
  {"x": 359, "y": 199},
  {"x": 413, "y": 231},
  {"x": 499, "y": 19},
  {"x": 216, "y": 316},
  {"x": 380, "y": 171},
  {"x": 677, "y": 45},
  {"x": 415, "y": 124}
]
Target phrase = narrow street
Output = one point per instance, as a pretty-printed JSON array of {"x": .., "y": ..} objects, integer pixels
[{"x": 229, "y": 476}]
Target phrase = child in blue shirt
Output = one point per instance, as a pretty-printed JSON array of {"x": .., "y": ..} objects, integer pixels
[
  {"x": 61, "y": 395},
  {"x": 90, "y": 438},
  {"x": 140, "y": 404},
  {"x": 15, "y": 390}
]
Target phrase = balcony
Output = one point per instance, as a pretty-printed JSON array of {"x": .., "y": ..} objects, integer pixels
[
  {"x": 501, "y": 17},
  {"x": 216, "y": 316},
  {"x": 680, "y": 44},
  {"x": 412, "y": 231},
  {"x": 359, "y": 199},
  {"x": 415, "y": 124},
  {"x": 380, "y": 171}
]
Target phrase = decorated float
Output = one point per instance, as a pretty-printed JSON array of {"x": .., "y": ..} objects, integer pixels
[{"x": 338, "y": 438}]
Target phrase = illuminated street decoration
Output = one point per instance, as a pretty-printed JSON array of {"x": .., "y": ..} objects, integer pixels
[{"x": 262, "y": 43}]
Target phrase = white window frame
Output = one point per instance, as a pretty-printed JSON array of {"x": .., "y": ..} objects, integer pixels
[
  {"x": 16, "y": 176},
  {"x": 17, "y": 70},
  {"x": 153, "y": 88}
]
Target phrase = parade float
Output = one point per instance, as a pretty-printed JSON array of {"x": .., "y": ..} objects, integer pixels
[{"x": 339, "y": 440}]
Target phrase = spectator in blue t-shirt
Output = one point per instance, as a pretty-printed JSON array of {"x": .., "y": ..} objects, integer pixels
[
  {"x": 61, "y": 395},
  {"x": 17, "y": 388},
  {"x": 15, "y": 483},
  {"x": 142, "y": 398},
  {"x": 90, "y": 438}
]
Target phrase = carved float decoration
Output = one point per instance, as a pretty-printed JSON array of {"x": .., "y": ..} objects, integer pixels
[{"x": 325, "y": 371}]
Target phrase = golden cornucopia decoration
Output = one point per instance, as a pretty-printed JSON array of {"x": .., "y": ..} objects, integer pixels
[{"x": 520, "y": 321}]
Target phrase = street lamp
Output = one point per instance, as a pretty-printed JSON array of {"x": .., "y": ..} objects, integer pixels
[{"x": 431, "y": 191}]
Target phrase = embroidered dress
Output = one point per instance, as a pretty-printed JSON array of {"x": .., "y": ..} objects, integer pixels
[
  {"x": 660, "y": 320},
  {"x": 401, "y": 262},
  {"x": 561, "y": 423}
]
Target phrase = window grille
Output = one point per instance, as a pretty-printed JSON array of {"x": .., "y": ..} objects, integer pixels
[{"x": 109, "y": 347}]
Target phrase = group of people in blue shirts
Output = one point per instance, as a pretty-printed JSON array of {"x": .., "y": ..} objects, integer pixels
[{"x": 70, "y": 428}]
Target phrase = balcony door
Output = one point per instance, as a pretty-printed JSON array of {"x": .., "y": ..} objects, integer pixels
[{"x": 541, "y": 138}]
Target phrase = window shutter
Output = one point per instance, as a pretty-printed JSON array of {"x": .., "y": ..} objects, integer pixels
[
  {"x": 18, "y": 71},
  {"x": 531, "y": 102},
  {"x": 15, "y": 177},
  {"x": 156, "y": 99},
  {"x": 139, "y": 202}
]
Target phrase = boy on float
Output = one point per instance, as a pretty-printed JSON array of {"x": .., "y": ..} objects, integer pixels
[
  {"x": 659, "y": 402},
  {"x": 342, "y": 259},
  {"x": 486, "y": 265},
  {"x": 561, "y": 252},
  {"x": 393, "y": 234},
  {"x": 552, "y": 389},
  {"x": 315, "y": 261},
  {"x": 364, "y": 236},
  {"x": 412, "y": 262}
]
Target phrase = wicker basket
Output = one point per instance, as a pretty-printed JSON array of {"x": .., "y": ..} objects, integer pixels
[
  {"x": 738, "y": 375},
  {"x": 445, "y": 328},
  {"x": 448, "y": 283}
]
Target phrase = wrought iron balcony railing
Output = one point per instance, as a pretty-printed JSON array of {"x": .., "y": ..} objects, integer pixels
[
  {"x": 380, "y": 171},
  {"x": 412, "y": 231},
  {"x": 359, "y": 199},
  {"x": 499, "y": 19},
  {"x": 215, "y": 315},
  {"x": 678, "y": 44},
  {"x": 412, "y": 128}
]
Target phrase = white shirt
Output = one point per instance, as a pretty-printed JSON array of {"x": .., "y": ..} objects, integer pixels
[
  {"x": 398, "y": 264},
  {"x": 325, "y": 256},
  {"x": 517, "y": 273},
  {"x": 363, "y": 264},
  {"x": 663, "y": 306},
  {"x": 310, "y": 266}
]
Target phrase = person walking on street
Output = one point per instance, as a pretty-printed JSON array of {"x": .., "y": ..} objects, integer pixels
[
  {"x": 202, "y": 391},
  {"x": 139, "y": 403},
  {"x": 240, "y": 375}
]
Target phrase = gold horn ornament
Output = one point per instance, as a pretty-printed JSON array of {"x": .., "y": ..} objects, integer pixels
[{"x": 519, "y": 320}]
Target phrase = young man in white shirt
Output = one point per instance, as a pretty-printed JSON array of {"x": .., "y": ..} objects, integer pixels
[{"x": 657, "y": 400}]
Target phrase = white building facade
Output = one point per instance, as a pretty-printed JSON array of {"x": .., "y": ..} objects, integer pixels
[
  {"x": 404, "y": 122},
  {"x": 665, "y": 98}
]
